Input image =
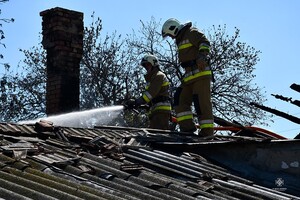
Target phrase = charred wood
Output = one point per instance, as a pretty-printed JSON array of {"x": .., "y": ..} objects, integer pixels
[
  {"x": 287, "y": 99},
  {"x": 295, "y": 87},
  {"x": 277, "y": 112}
]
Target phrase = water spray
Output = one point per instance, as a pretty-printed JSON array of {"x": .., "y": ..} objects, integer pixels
[{"x": 83, "y": 119}]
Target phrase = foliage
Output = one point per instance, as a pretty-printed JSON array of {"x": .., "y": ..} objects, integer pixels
[
  {"x": 23, "y": 93},
  {"x": 2, "y": 35},
  {"x": 233, "y": 64},
  {"x": 110, "y": 72},
  {"x": 106, "y": 69}
]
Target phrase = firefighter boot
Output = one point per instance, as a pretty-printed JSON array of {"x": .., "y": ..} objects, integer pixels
[{"x": 206, "y": 133}]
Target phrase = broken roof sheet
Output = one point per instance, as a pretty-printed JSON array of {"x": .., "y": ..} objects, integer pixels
[{"x": 117, "y": 163}]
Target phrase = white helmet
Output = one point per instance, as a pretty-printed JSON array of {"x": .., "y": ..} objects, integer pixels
[
  {"x": 170, "y": 28},
  {"x": 150, "y": 59}
]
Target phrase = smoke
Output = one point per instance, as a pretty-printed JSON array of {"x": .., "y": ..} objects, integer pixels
[{"x": 84, "y": 119}]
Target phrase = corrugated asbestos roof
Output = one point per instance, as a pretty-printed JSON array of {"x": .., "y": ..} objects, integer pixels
[{"x": 40, "y": 161}]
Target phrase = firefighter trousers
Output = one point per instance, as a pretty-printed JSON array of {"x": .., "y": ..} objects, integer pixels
[
  {"x": 197, "y": 92},
  {"x": 160, "y": 120}
]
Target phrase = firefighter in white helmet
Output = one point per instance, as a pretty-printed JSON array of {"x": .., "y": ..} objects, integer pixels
[
  {"x": 156, "y": 94},
  {"x": 193, "y": 54}
]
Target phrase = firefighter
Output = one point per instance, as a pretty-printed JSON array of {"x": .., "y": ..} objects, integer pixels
[
  {"x": 156, "y": 94},
  {"x": 193, "y": 54}
]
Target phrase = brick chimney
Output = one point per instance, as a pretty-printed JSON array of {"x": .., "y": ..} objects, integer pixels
[{"x": 63, "y": 40}]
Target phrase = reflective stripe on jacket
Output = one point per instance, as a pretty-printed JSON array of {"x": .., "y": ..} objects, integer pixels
[
  {"x": 157, "y": 86},
  {"x": 160, "y": 107},
  {"x": 196, "y": 74},
  {"x": 191, "y": 43}
]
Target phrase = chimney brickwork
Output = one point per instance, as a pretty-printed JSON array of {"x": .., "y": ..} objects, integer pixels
[{"x": 63, "y": 40}]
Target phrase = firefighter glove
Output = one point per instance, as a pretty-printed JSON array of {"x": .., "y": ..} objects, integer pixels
[
  {"x": 130, "y": 104},
  {"x": 139, "y": 101}
]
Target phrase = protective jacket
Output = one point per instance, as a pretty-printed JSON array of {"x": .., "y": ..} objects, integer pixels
[
  {"x": 156, "y": 95},
  {"x": 192, "y": 46},
  {"x": 156, "y": 92}
]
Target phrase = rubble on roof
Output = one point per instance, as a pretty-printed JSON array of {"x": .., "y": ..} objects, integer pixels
[{"x": 45, "y": 162}]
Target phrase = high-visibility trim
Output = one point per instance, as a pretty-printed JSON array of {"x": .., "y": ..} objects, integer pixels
[
  {"x": 206, "y": 121},
  {"x": 204, "y": 47},
  {"x": 196, "y": 71},
  {"x": 199, "y": 74},
  {"x": 184, "y": 116},
  {"x": 207, "y": 126},
  {"x": 184, "y": 113},
  {"x": 147, "y": 96},
  {"x": 167, "y": 108},
  {"x": 162, "y": 104},
  {"x": 165, "y": 84},
  {"x": 184, "y": 46},
  {"x": 187, "y": 117},
  {"x": 201, "y": 48}
]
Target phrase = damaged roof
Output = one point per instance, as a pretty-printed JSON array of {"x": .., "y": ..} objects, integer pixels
[{"x": 41, "y": 161}]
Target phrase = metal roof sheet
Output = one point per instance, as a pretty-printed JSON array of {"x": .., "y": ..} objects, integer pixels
[{"x": 116, "y": 163}]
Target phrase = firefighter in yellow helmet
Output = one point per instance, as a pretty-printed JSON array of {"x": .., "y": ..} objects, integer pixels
[
  {"x": 156, "y": 94},
  {"x": 193, "y": 54}
]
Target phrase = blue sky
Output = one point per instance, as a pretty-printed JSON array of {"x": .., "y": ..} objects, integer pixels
[{"x": 271, "y": 26}]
